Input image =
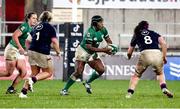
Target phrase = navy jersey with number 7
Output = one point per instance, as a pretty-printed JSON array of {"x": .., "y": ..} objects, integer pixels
[
  {"x": 41, "y": 38},
  {"x": 146, "y": 39}
]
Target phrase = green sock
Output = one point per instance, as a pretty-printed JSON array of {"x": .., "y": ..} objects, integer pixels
[
  {"x": 69, "y": 83},
  {"x": 92, "y": 77}
]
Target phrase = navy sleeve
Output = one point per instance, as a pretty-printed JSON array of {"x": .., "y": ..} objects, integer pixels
[
  {"x": 156, "y": 34},
  {"x": 52, "y": 32}
]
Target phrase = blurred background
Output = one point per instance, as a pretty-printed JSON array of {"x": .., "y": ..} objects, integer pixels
[{"x": 120, "y": 18}]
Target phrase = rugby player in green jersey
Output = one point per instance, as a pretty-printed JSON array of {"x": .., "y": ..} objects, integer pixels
[
  {"x": 14, "y": 51},
  {"x": 87, "y": 53}
]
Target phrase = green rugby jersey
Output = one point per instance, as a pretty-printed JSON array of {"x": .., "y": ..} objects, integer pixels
[
  {"x": 94, "y": 38},
  {"x": 25, "y": 29}
]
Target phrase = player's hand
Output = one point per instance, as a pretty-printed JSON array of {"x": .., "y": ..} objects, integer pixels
[
  {"x": 107, "y": 51},
  {"x": 58, "y": 55},
  {"x": 129, "y": 56},
  {"x": 21, "y": 51},
  {"x": 164, "y": 60}
]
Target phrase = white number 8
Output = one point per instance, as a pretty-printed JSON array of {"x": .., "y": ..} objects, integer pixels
[{"x": 147, "y": 40}]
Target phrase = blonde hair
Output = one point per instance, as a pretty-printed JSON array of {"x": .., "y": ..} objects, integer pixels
[{"x": 45, "y": 16}]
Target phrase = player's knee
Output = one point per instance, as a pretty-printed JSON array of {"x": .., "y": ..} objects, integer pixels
[
  {"x": 138, "y": 74},
  {"x": 11, "y": 64},
  {"x": 50, "y": 74},
  {"x": 158, "y": 72},
  {"x": 75, "y": 76},
  {"x": 101, "y": 71},
  {"x": 22, "y": 73},
  {"x": 8, "y": 74},
  {"x": 77, "y": 73}
]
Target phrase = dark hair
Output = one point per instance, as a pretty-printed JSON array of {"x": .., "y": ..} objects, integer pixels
[
  {"x": 95, "y": 19},
  {"x": 142, "y": 25},
  {"x": 45, "y": 16},
  {"x": 28, "y": 15}
]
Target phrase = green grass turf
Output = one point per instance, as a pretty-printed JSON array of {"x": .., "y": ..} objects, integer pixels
[{"x": 106, "y": 94}]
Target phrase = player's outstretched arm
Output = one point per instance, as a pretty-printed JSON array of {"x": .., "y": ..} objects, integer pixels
[
  {"x": 130, "y": 51},
  {"x": 105, "y": 50},
  {"x": 163, "y": 45},
  {"x": 108, "y": 40},
  {"x": 55, "y": 45}
]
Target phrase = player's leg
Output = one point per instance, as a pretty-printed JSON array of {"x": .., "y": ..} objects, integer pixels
[
  {"x": 79, "y": 68},
  {"x": 4, "y": 73},
  {"x": 10, "y": 54},
  {"x": 21, "y": 67},
  {"x": 44, "y": 74},
  {"x": 139, "y": 70},
  {"x": 81, "y": 57},
  {"x": 158, "y": 69},
  {"x": 132, "y": 85},
  {"x": 28, "y": 82},
  {"x": 39, "y": 61},
  {"x": 10, "y": 66},
  {"x": 99, "y": 69},
  {"x": 47, "y": 70},
  {"x": 162, "y": 82},
  {"x": 163, "y": 85},
  {"x": 32, "y": 79}
]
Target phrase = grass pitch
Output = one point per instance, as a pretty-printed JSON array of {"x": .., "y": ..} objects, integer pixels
[{"x": 106, "y": 94}]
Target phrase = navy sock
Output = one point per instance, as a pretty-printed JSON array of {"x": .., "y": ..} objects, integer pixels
[
  {"x": 24, "y": 91},
  {"x": 163, "y": 85},
  {"x": 34, "y": 79},
  {"x": 11, "y": 88},
  {"x": 130, "y": 91}
]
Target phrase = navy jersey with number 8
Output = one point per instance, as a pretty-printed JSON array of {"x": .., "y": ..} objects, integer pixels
[{"x": 147, "y": 39}]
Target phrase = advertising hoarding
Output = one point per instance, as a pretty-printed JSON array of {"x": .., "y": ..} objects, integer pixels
[{"x": 127, "y": 4}]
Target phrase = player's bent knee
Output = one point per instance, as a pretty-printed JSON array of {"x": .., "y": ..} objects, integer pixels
[
  {"x": 138, "y": 74},
  {"x": 23, "y": 75},
  {"x": 101, "y": 71},
  {"x": 158, "y": 72},
  {"x": 75, "y": 75},
  {"x": 8, "y": 74},
  {"x": 50, "y": 74}
]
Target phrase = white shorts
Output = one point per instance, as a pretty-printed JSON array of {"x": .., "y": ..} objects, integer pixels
[
  {"x": 82, "y": 55},
  {"x": 151, "y": 57},
  {"x": 12, "y": 53}
]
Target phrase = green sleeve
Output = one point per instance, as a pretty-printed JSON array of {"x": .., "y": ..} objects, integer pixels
[
  {"x": 23, "y": 28},
  {"x": 89, "y": 37},
  {"x": 105, "y": 32}
]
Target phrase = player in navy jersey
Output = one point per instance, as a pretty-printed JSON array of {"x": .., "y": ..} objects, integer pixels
[
  {"x": 148, "y": 42},
  {"x": 43, "y": 35}
]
